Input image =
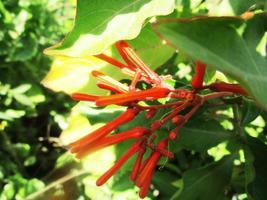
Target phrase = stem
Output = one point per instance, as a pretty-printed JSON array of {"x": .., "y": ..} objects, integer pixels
[
  {"x": 56, "y": 183},
  {"x": 160, "y": 106},
  {"x": 237, "y": 123},
  {"x": 135, "y": 80},
  {"x": 110, "y": 81},
  {"x": 175, "y": 112},
  {"x": 216, "y": 95}
]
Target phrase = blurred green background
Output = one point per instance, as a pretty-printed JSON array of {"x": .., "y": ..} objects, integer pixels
[{"x": 31, "y": 117}]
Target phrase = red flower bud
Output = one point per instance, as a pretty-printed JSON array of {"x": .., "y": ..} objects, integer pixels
[
  {"x": 177, "y": 119},
  {"x": 173, "y": 134},
  {"x": 197, "y": 80},
  {"x": 151, "y": 113},
  {"x": 227, "y": 87}
]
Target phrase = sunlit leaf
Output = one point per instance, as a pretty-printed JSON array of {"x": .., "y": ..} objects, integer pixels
[
  {"x": 100, "y": 24},
  {"x": 148, "y": 44},
  {"x": 71, "y": 75}
]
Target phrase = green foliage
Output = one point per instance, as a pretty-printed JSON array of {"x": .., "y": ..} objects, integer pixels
[
  {"x": 27, "y": 123},
  {"x": 208, "y": 182},
  {"x": 209, "y": 40}
]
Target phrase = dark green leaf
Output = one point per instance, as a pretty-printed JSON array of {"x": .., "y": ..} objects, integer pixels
[
  {"x": 219, "y": 43},
  {"x": 207, "y": 182},
  {"x": 257, "y": 188},
  {"x": 249, "y": 112},
  {"x": 201, "y": 134}
]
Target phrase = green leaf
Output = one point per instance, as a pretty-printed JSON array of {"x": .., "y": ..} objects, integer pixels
[
  {"x": 71, "y": 75},
  {"x": 200, "y": 134},
  {"x": 208, "y": 182},
  {"x": 257, "y": 188},
  {"x": 148, "y": 44},
  {"x": 219, "y": 43},
  {"x": 100, "y": 24},
  {"x": 163, "y": 180},
  {"x": 249, "y": 112},
  {"x": 30, "y": 161},
  {"x": 230, "y": 7}
]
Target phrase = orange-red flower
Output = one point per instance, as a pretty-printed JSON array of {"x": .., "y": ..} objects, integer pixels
[{"x": 130, "y": 97}]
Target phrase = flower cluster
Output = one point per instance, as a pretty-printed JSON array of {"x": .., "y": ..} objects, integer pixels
[{"x": 130, "y": 96}]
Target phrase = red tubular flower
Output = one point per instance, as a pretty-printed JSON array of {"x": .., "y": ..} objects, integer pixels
[
  {"x": 173, "y": 134},
  {"x": 111, "y": 61},
  {"x": 151, "y": 164},
  {"x": 177, "y": 119},
  {"x": 197, "y": 80},
  {"x": 110, "y": 81},
  {"x": 84, "y": 97},
  {"x": 149, "y": 94},
  {"x": 130, "y": 96},
  {"x": 130, "y": 152},
  {"x": 137, "y": 164},
  {"x": 145, "y": 188},
  {"x": 145, "y": 176},
  {"x": 120, "y": 46},
  {"x": 129, "y": 55},
  {"x": 227, "y": 87},
  {"x": 108, "y": 87},
  {"x": 134, "y": 133},
  {"x": 127, "y": 116}
]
